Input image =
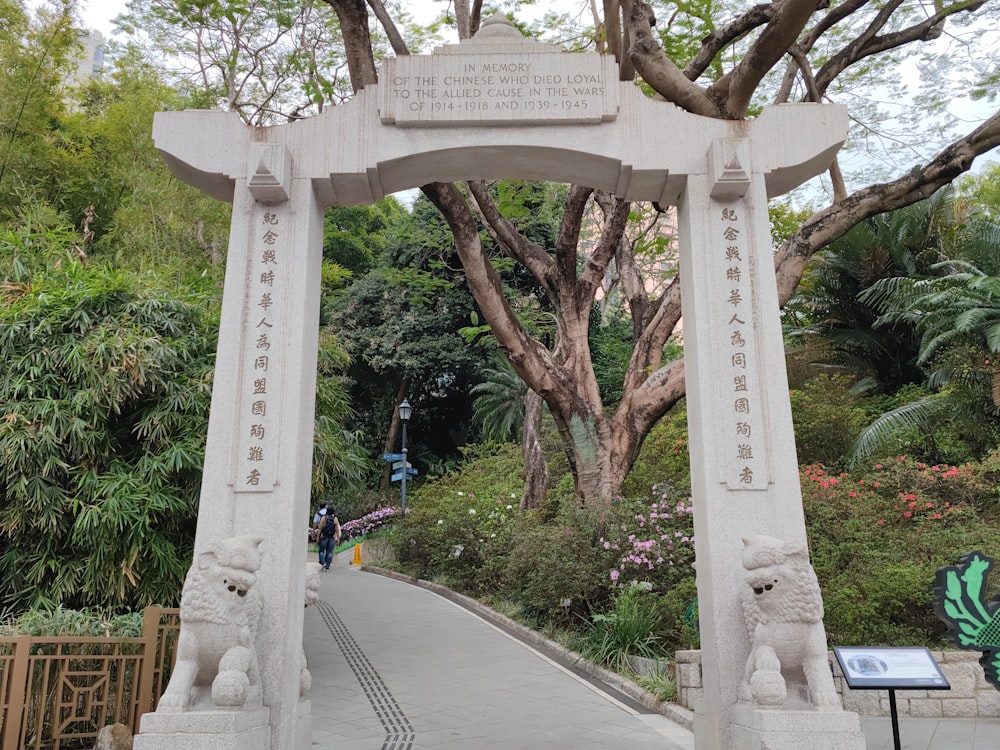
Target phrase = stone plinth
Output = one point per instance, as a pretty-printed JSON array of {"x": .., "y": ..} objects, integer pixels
[
  {"x": 205, "y": 730},
  {"x": 776, "y": 729}
]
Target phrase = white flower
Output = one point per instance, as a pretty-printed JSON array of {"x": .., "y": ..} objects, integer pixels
[
  {"x": 510, "y": 507},
  {"x": 440, "y": 521},
  {"x": 461, "y": 494},
  {"x": 456, "y": 551},
  {"x": 472, "y": 511}
]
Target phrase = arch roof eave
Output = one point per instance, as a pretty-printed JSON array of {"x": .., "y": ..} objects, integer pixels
[{"x": 644, "y": 153}]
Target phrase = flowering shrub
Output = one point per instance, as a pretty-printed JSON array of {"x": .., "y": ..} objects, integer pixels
[
  {"x": 879, "y": 533},
  {"x": 557, "y": 568},
  {"x": 655, "y": 544},
  {"x": 458, "y": 537},
  {"x": 368, "y": 524}
]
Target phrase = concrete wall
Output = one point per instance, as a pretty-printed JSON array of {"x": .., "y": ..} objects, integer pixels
[{"x": 970, "y": 696}]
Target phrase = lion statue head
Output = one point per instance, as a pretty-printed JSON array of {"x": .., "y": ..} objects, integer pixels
[{"x": 782, "y": 585}]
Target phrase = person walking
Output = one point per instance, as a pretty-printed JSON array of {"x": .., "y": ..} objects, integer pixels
[{"x": 328, "y": 525}]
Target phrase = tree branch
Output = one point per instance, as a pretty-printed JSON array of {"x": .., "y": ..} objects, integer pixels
[
  {"x": 567, "y": 243},
  {"x": 827, "y": 225},
  {"x": 475, "y": 16},
  {"x": 735, "y": 91},
  {"x": 353, "y": 17},
  {"x": 869, "y": 44},
  {"x": 389, "y": 26},
  {"x": 718, "y": 40},
  {"x": 532, "y": 362},
  {"x": 616, "y": 212},
  {"x": 516, "y": 245},
  {"x": 658, "y": 70}
]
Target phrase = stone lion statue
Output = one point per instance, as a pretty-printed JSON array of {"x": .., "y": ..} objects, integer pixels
[
  {"x": 312, "y": 596},
  {"x": 220, "y": 612},
  {"x": 783, "y": 608}
]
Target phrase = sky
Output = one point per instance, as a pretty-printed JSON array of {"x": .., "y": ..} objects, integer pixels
[{"x": 97, "y": 14}]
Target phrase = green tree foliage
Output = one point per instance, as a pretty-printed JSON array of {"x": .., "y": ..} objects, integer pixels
[
  {"x": 145, "y": 218},
  {"x": 828, "y": 416},
  {"x": 83, "y": 153},
  {"x": 402, "y": 324},
  {"x": 498, "y": 407},
  {"x": 34, "y": 58},
  {"x": 829, "y": 305},
  {"x": 406, "y": 321},
  {"x": 267, "y": 60},
  {"x": 106, "y": 383},
  {"x": 264, "y": 59},
  {"x": 956, "y": 313},
  {"x": 340, "y": 459}
]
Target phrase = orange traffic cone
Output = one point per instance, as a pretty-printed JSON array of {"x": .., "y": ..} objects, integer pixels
[{"x": 357, "y": 555}]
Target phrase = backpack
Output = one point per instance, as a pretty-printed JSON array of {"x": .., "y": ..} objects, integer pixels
[{"x": 327, "y": 527}]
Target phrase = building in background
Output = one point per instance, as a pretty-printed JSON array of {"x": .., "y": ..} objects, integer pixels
[{"x": 90, "y": 63}]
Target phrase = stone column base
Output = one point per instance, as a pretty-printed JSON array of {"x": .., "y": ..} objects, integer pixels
[
  {"x": 205, "y": 730},
  {"x": 303, "y": 734},
  {"x": 779, "y": 729}
]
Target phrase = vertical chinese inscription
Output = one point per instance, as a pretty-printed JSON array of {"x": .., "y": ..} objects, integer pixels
[
  {"x": 744, "y": 444},
  {"x": 258, "y": 390}
]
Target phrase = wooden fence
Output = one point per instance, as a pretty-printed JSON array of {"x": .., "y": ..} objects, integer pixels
[{"x": 57, "y": 693}]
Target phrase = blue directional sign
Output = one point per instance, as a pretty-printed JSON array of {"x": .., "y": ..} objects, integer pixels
[
  {"x": 392, "y": 456},
  {"x": 398, "y": 476}
]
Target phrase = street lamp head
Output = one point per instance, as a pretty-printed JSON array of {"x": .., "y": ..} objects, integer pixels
[{"x": 405, "y": 410}]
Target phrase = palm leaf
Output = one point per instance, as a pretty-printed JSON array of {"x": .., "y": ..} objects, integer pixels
[{"x": 916, "y": 414}]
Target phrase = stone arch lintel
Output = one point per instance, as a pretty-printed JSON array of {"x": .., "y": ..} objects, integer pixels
[{"x": 645, "y": 153}]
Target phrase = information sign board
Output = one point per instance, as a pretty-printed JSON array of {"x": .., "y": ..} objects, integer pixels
[{"x": 885, "y": 668}]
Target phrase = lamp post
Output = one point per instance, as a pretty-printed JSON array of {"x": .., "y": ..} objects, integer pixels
[{"x": 404, "y": 416}]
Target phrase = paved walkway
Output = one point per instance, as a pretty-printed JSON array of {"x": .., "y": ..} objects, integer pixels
[{"x": 398, "y": 667}]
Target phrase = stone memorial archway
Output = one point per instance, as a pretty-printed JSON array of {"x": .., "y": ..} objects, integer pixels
[{"x": 501, "y": 106}]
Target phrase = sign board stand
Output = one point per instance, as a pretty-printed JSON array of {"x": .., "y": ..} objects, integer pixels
[{"x": 892, "y": 669}]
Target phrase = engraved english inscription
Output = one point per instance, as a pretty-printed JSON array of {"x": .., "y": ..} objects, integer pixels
[{"x": 497, "y": 89}]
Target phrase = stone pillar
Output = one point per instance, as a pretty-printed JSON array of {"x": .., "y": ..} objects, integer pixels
[
  {"x": 258, "y": 456},
  {"x": 744, "y": 472}
]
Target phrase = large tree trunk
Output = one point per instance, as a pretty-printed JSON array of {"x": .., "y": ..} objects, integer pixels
[
  {"x": 536, "y": 470},
  {"x": 353, "y": 17}
]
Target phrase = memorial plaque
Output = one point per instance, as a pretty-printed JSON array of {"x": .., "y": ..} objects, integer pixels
[{"x": 498, "y": 89}]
